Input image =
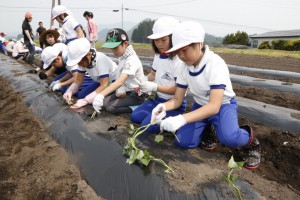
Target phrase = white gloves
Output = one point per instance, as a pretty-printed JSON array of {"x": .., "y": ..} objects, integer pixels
[
  {"x": 121, "y": 92},
  {"x": 68, "y": 97},
  {"x": 87, "y": 100},
  {"x": 158, "y": 113},
  {"x": 80, "y": 103},
  {"x": 32, "y": 43},
  {"x": 57, "y": 86},
  {"x": 53, "y": 83},
  {"x": 98, "y": 102},
  {"x": 148, "y": 86},
  {"x": 172, "y": 124}
]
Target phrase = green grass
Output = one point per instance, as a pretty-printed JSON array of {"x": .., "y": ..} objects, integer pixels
[{"x": 260, "y": 52}]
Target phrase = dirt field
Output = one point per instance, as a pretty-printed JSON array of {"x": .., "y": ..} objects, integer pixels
[{"x": 33, "y": 166}]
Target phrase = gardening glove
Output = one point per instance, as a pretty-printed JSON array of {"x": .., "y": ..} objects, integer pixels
[
  {"x": 53, "y": 83},
  {"x": 80, "y": 103},
  {"x": 57, "y": 86},
  {"x": 121, "y": 92},
  {"x": 32, "y": 43},
  {"x": 158, "y": 113},
  {"x": 148, "y": 86},
  {"x": 98, "y": 102},
  {"x": 91, "y": 97},
  {"x": 68, "y": 97},
  {"x": 172, "y": 124}
]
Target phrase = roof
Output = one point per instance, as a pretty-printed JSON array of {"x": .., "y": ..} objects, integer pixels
[{"x": 287, "y": 33}]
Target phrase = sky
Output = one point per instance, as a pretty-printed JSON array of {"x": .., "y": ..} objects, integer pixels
[{"x": 218, "y": 17}]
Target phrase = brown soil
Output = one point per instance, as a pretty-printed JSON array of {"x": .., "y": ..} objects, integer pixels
[{"x": 33, "y": 166}]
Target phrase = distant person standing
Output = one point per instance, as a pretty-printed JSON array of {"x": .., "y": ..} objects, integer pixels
[
  {"x": 39, "y": 31},
  {"x": 92, "y": 28},
  {"x": 28, "y": 36}
]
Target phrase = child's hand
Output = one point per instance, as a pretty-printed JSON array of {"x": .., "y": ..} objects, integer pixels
[
  {"x": 172, "y": 124},
  {"x": 158, "y": 113}
]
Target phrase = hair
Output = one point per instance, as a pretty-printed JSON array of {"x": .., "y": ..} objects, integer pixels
[
  {"x": 64, "y": 14},
  {"x": 202, "y": 49},
  {"x": 40, "y": 22},
  {"x": 156, "y": 50},
  {"x": 88, "y": 13}
]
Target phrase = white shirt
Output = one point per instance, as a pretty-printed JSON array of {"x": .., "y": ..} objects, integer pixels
[
  {"x": 211, "y": 72},
  {"x": 19, "y": 47},
  {"x": 165, "y": 72},
  {"x": 69, "y": 25},
  {"x": 10, "y": 46},
  {"x": 102, "y": 66},
  {"x": 131, "y": 65}
]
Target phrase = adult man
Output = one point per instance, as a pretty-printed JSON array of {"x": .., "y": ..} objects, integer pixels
[
  {"x": 39, "y": 31},
  {"x": 28, "y": 37}
]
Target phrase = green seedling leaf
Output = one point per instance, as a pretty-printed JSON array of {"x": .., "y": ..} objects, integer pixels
[
  {"x": 232, "y": 164},
  {"x": 234, "y": 177},
  {"x": 131, "y": 131},
  {"x": 140, "y": 154},
  {"x": 145, "y": 161},
  {"x": 159, "y": 138},
  {"x": 240, "y": 164},
  {"x": 131, "y": 127}
]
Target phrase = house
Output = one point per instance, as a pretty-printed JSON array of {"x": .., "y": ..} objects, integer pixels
[{"x": 256, "y": 39}]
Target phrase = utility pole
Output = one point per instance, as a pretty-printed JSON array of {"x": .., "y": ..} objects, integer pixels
[
  {"x": 122, "y": 15},
  {"x": 53, "y": 4}
]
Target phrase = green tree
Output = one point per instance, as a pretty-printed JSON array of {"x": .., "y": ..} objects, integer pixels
[
  {"x": 144, "y": 29},
  {"x": 240, "y": 38}
]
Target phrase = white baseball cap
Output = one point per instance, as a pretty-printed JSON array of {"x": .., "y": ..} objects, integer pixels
[
  {"x": 163, "y": 26},
  {"x": 77, "y": 49},
  {"x": 58, "y": 10},
  {"x": 48, "y": 56},
  {"x": 186, "y": 33}
]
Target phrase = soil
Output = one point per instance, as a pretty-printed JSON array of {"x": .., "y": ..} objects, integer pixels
[{"x": 33, "y": 166}]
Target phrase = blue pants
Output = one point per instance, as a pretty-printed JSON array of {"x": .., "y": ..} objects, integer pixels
[
  {"x": 2, "y": 47},
  {"x": 87, "y": 87},
  {"x": 225, "y": 124},
  {"x": 142, "y": 114}
]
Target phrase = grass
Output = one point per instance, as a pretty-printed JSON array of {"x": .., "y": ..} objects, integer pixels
[{"x": 139, "y": 47}]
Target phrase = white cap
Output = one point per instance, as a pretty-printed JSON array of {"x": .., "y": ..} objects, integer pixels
[
  {"x": 48, "y": 55},
  {"x": 58, "y": 10},
  {"x": 186, "y": 33},
  {"x": 77, "y": 49},
  {"x": 163, "y": 26}
]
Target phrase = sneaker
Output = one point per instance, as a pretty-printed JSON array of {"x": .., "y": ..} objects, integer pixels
[
  {"x": 209, "y": 139},
  {"x": 251, "y": 152}
]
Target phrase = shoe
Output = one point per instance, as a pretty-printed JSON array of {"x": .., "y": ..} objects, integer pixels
[
  {"x": 209, "y": 139},
  {"x": 251, "y": 152}
]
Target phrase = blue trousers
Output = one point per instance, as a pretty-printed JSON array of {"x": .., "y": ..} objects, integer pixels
[
  {"x": 225, "y": 124},
  {"x": 2, "y": 47},
  {"x": 142, "y": 114},
  {"x": 87, "y": 87}
]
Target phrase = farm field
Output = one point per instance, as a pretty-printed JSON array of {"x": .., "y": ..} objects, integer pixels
[{"x": 34, "y": 166}]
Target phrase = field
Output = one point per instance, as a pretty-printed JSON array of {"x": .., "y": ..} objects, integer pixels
[{"x": 34, "y": 166}]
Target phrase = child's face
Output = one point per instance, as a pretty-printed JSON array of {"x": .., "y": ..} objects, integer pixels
[
  {"x": 58, "y": 19},
  {"x": 191, "y": 54},
  {"x": 58, "y": 62},
  {"x": 86, "y": 61},
  {"x": 162, "y": 44},
  {"x": 50, "y": 39},
  {"x": 120, "y": 49}
]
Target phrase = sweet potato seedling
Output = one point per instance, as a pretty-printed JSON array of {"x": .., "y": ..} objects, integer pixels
[
  {"x": 136, "y": 154},
  {"x": 231, "y": 178}
]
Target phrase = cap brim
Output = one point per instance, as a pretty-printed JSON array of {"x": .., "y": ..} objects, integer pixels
[
  {"x": 160, "y": 35},
  {"x": 73, "y": 62},
  {"x": 111, "y": 45},
  {"x": 178, "y": 46}
]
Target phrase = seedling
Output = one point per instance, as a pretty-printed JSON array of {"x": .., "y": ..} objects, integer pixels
[
  {"x": 142, "y": 156},
  {"x": 94, "y": 115},
  {"x": 231, "y": 178}
]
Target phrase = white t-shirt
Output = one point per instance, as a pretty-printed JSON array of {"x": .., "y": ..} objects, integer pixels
[
  {"x": 131, "y": 65},
  {"x": 10, "y": 46},
  {"x": 69, "y": 25},
  {"x": 102, "y": 66},
  {"x": 165, "y": 72},
  {"x": 212, "y": 72}
]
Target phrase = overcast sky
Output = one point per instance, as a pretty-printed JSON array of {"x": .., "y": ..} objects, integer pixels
[{"x": 218, "y": 17}]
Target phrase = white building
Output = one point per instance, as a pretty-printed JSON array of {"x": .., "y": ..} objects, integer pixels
[{"x": 274, "y": 35}]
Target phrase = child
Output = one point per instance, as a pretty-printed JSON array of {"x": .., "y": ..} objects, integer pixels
[
  {"x": 20, "y": 51},
  {"x": 207, "y": 76},
  {"x": 56, "y": 56},
  {"x": 163, "y": 73},
  {"x": 100, "y": 68},
  {"x": 71, "y": 28},
  {"x": 129, "y": 75},
  {"x": 92, "y": 27}
]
